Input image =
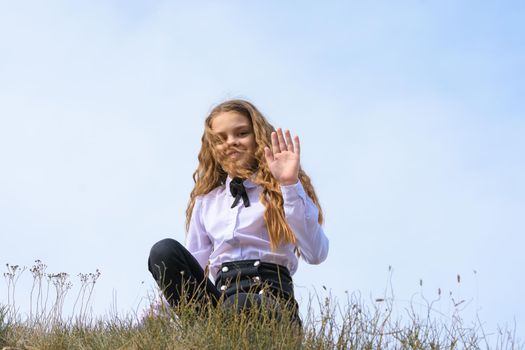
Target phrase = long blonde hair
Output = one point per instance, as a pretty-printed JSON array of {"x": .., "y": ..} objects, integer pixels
[{"x": 209, "y": 173}]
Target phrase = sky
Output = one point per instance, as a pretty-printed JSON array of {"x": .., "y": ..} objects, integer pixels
[{"x": 409, "y": 114}]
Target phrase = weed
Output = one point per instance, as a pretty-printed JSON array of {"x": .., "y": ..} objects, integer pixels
[{"x": 351, "y": 324}]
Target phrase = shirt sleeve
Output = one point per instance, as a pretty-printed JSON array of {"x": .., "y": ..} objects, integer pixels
[
  {"x": 198, "y": 242},
  {"x": 302, "y": 215}
]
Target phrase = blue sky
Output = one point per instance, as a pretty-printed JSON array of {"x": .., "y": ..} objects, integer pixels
[{"x": 409, "y": 114}]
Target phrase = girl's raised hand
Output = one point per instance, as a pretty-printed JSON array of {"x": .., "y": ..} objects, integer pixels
[{"x": 283, "y": 158}]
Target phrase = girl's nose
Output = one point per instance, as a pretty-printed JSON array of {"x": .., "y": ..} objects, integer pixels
[{"x": 232, "y": 140}]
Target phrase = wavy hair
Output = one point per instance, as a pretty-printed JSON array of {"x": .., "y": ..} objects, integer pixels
[{"x": 210, "y": 174}]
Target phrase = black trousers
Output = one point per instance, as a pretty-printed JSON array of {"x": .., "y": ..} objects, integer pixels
[{"x": 242, "y": 284}]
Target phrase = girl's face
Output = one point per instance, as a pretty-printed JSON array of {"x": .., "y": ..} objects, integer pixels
[{"x": 236, "y": 144}]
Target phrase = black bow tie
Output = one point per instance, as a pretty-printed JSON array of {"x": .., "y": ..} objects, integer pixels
[{"x": 238, "y": 191}]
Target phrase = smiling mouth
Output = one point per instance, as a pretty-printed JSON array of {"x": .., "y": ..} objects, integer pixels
[{"x": 233, "y": 154}]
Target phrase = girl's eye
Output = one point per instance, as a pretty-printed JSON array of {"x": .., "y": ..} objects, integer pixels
[{"x": 218, "y": 139}]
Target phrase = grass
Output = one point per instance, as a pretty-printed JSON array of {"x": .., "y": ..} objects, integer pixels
[{"x": 328, "y": 324}]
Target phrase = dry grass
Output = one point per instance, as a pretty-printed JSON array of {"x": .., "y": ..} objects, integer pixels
[{"x": 352, "y": 324}]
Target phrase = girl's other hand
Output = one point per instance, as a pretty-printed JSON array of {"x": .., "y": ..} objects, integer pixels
[{"x": 283, "y": 158}]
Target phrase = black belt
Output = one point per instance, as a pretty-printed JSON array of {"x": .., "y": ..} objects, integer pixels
[{"x": 254, "y": 276}]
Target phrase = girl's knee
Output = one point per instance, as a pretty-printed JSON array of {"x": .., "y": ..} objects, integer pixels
[{"x": 163, "y": 249}]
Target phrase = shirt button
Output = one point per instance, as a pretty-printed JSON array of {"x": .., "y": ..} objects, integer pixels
[
  {"x": 225, "y": 269},
  {"x": 257, "y": 263}
]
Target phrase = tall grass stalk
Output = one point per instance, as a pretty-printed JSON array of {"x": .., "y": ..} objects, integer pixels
[{"x": 327, "y": 324}]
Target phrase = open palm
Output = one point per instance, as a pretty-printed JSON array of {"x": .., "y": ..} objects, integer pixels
[{"x": 284, "y": 157}]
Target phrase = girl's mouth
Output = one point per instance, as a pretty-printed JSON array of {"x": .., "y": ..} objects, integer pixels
[{"x": 234, "y": 154}]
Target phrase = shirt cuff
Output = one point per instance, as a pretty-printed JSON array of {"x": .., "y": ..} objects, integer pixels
[{"x": 293, "y": 192}]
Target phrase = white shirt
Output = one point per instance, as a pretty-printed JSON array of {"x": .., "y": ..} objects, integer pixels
[{"x": 218, "y": 233}]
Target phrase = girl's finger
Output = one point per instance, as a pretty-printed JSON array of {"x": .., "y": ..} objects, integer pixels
[
  {"x": 268, "y": 154},
  {"x": 297, "y": 145},
  {"x": 275, "y": 143},
  {"x": 289, "y": 140},
  {"x": 282, "y": 143}
]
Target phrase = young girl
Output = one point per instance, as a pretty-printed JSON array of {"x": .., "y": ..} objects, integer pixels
[{"x": 252, "y": 213}]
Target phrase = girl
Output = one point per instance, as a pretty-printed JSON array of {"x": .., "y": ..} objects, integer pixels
[{"x": 252, "y": 213}]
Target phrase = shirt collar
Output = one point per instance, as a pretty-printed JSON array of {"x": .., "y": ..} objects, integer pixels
[{"x": 248, "y": 183}]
